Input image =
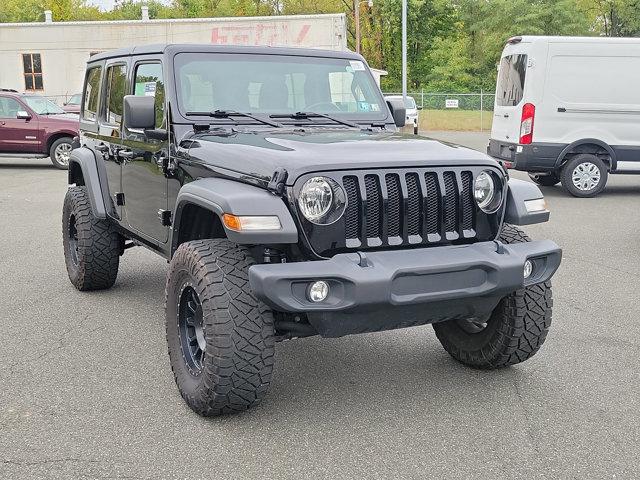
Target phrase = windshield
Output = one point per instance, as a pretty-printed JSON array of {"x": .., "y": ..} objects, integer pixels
[
  {"x": 410, "y": 103},
  {"x": 75, "y": 99},
  {"x": 42, "y": 106},
  {"x": 277, "y": 85}
]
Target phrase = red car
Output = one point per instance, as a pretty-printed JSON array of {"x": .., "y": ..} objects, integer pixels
[
  {"x": 32, "y": 126},
  {"x": 73, "y": 104}
]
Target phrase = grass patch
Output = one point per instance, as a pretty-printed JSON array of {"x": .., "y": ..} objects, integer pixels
[{"x": 455, "y": 120}]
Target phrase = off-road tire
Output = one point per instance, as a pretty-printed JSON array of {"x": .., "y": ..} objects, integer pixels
[
  {"x": 98, "y": 244},
  {"x": 238, "y": 329},
  {"x": 545, "y": 179},
  {"x": 567, "y": 172},
  {"x": 52, "y": 152},
  {"x": 515, "y": 331}
]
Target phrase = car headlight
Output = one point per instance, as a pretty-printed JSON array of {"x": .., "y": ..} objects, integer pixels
[
  {"x": 321, "y": 200},
  {"x": 487, "y": 191}
]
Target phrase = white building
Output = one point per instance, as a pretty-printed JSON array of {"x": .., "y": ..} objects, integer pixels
[{"x": 49, "y": 58}]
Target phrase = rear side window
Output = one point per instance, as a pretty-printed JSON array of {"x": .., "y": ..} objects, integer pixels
[
  {"x": 149, "y": 82},
  {"x": 92, "y": 94},
  {"x": 511, "y": 75},
  {"x": 116, "y": 88}
]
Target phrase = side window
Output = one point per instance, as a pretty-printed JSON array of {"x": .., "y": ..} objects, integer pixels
[
  {"x": 149, "y": 82},
  {"x": 9, "y": 107},
  {"x": 116, "y": 87},
  {"x": 92, "y": 93}
]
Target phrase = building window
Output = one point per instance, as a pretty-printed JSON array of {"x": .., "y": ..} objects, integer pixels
[{"x": 32, "y": 65}]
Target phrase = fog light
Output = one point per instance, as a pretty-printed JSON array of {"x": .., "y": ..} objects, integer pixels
[
  {"x": 528, "y": 268},
  {"x": 318, "y": 291}
]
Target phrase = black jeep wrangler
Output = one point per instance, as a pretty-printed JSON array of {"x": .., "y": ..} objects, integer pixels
[{"x": 275, "y": 183}]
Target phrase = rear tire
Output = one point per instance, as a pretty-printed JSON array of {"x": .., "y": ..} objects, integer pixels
[
  {"x": 515, "y": 331},
  {"x": 220, "y": 337},
  {"x": 545, "y": 179},
  {"x": 584, "y": 176},
  {"x": 92, "y": 247},
  {"x": 60, "y": 152}
]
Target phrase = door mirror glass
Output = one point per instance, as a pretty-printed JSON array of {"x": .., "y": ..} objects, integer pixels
[
  {"x": 139, "y": 112},
  {"x": 23, "y": 115},
  {"x": 398, "y": 112}
]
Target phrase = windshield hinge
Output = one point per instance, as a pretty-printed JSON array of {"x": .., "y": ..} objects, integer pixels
[
  {"x": 201, "y": 127},
  {"x": 277, "y": 182}
]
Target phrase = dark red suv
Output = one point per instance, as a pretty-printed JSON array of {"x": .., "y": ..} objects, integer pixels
[{"x": 32, "y": 126}]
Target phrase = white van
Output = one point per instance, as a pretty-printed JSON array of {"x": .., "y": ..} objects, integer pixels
[{"x": 567, "y": 110}]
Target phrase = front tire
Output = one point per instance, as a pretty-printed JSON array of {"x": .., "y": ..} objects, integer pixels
[
  {"x": 92, "y": 247},
  {"x": 220, "y": 337},
  {"x": 60, "y": 152},
  {"x": 515, "y": 331},
  {"x": 584, "y": 176}
]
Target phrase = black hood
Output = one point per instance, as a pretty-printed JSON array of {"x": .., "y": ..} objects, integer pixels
[{"x": 259, "y": 153}]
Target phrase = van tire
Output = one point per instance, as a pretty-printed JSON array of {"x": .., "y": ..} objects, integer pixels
[
  {"x": 591, "y": 163},
  {"x": 545, "y": 179}
]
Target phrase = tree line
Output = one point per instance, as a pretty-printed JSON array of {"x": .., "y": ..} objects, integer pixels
[{"x": 453, "y": 45}]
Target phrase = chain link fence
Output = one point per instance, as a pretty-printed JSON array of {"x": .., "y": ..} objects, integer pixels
[{"x": 454, "y": 111}]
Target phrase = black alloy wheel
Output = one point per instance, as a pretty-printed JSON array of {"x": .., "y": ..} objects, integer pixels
[
  {"x": 73, "y": 240},
  {"x": 191, "y": 330}
]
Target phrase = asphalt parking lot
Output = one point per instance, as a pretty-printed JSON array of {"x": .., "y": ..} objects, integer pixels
[{"x": 86, "y": 390}]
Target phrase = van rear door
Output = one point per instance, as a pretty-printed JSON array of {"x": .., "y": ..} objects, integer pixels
[{"x": 510, "y": 90}]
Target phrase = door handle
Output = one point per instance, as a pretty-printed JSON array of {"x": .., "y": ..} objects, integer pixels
[{"x": 2, "y": 123}]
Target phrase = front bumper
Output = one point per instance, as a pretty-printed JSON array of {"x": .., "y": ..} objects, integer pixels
[{"x": 391, "y": 289}]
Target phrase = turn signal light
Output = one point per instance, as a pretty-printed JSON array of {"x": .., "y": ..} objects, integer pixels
[{"x": 250, "y": 223}]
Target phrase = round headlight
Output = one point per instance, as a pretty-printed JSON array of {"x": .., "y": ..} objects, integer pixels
[
  {"x": 321, "y": 200},
  {"x": 485, "y": 191}
]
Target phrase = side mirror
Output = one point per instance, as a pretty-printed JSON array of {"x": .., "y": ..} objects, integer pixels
[
  {"x": 139, "y": 112},
  {"x": 419, "y": 107},
  {"x": 398, "y": 112},
  {"x": 23, "y": 115}
]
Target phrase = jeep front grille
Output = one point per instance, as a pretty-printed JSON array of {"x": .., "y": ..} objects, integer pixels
[
  {"x": 408, "y": 208},
  {"x": 401, "y": 207}
]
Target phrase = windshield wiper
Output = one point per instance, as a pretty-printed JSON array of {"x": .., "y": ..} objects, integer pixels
[
  {"x": 309, "y": 115},
  {"x": 232, "y": 113}
]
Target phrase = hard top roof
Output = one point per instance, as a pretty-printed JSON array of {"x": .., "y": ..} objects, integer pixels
[{"x": 207, "y": 48}]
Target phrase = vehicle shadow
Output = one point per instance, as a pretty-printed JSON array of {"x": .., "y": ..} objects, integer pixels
[
  {"x": 26, "y": 166},
  {"x": 405, "y": 370},
  {"x": 609, "y": 191}
]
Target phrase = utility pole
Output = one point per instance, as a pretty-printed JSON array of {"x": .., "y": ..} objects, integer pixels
[
  {"x": 404, "y": 51},
  {"x": 356, "y": 18}
]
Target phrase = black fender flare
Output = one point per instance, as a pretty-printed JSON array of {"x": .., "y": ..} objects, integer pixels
[
  {"x": 222, "y": 196},
  {"x": 85, "y": 159},
  {"x": 516, "y": 213},
  {"x": 586, "y": 141}
]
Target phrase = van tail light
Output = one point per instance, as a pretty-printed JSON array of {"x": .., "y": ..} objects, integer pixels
[{"x": 526, "y": 124}]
